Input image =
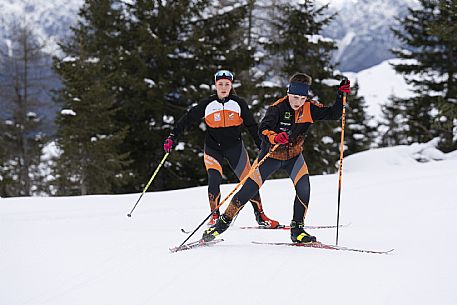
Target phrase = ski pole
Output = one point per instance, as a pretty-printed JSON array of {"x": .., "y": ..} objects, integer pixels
[
  {"x": 340, "y": 169},
  {"x": 254, "y": 167},
  {"x": 149, "y": 183}
]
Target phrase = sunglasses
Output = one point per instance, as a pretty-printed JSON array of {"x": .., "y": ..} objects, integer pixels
[{"x": 223, "y": 74}]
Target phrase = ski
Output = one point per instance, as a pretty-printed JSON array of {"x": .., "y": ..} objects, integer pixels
[
  {"x": 320, "y": 245},
  {"x": 195, "y": 244},
  {"x": 280, "y": 227},
  {"x": 284, "y": 227}
]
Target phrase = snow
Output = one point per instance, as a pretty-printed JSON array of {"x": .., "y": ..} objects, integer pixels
[
  {"x": 151, "y": 83},
  {"x": 84, "y": 250},
  {"x": 49, "y": 19},
  {"x": 344, "y": 43},
  {"x": 68, "y": 112},
  {"x": 378, "y": 84}
]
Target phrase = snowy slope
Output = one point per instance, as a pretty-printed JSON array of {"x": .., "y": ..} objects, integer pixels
[
  {"x": 379, "y": 83},
  {"x": 84, "y": 250}
]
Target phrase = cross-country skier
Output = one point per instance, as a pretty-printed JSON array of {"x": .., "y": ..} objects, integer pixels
[
  {"x": 286, "y": 122},
  {"x": 224, "y": 113}
]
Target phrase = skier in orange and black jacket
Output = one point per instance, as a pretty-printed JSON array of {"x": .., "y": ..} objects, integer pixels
[
  {"x": 286, "y": 123},
  {"x": 224, "y": 113}
]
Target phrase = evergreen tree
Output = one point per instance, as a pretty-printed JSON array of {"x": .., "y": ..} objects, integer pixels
[
  {"x": 296, "y": 46},
  {"x": 158, "y": 82},
  {"x": 431, "y": 67},
  {"x": 393, "y": 126},
  {"x": 21, "y": 136},
  {"x": 219, "y": 40},
  {"x": 88, "y": 134},
  {"x": 172, "y": 52}
]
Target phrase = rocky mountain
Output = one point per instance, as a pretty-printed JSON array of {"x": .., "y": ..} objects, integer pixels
[
  {"x": 362, "y": 29},
  {"x": 49, "y": 19}
]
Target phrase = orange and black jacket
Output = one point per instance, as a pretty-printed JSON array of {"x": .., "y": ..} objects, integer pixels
[
  {"x": 223, "y": 120},
  {"x": 280, "y": 117}
]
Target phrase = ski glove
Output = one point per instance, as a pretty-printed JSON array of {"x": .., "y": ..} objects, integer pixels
[
  {"x": 345, "y": 86},
  {"x": 282, "y": 138},
  {"x": 168, "y": 144}
]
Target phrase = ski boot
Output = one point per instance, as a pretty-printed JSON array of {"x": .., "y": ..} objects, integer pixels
[
  {"x": 260, "y": 216},
  {"x": 264, "y": 221},
  {"x": 212, "y": 232},
  {"x": 212, "y": 221},
  {"x": 298, "y": 235}
]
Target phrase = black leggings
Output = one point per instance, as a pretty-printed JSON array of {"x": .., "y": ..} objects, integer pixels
[
  {"x": 297, "y": 170},
  {"x": 238, "y": 159}
]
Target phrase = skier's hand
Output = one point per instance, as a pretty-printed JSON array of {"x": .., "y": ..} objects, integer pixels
[
  {"x": 282, "y": 138},
  {"x": 168, "y": 144},
  {"x": 345, "y": 86}
]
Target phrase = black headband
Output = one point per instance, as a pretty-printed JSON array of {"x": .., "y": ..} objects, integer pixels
[{"x": 298, "y": 89}]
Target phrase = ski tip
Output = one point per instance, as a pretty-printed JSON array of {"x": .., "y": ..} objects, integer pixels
[{"x": 195, "y": 244}]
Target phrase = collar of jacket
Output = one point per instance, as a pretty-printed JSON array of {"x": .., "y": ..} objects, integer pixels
[{"x": 224, "y": 99}]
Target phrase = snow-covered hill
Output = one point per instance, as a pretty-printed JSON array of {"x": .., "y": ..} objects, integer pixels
[
  {"x": 84, "y": 250},
  {"x": 379, "y": 83}
]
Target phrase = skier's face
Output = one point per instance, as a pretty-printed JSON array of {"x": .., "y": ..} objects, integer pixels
[
  {"x": 296, "y": 101},
  {"x": 223, "y": 87}
]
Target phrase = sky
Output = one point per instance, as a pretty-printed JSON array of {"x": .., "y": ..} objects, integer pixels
[{"x": 84, "y": 250}]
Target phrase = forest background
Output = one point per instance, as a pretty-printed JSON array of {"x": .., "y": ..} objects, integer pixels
[{"x": 127, "y": 70}]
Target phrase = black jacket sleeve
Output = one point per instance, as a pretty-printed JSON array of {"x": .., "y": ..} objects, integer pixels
[
  {"x": 319, "y": 113},
  {"x": 249, "y": 122},
  {"x": 268, "y": 124},
  {"x": 195, "y": 114}
]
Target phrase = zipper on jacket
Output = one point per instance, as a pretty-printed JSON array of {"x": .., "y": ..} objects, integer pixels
[{"x": 223, "y": 113}]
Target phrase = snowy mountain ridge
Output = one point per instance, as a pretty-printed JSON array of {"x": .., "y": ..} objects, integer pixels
[
  {"x": 361, "y": 28},
  {"x": 49, "y": 19}
]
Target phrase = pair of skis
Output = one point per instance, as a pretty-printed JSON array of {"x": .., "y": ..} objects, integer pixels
[
  {"x": 319, "y": 245},
  {"x": 280, "y": 227}
]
